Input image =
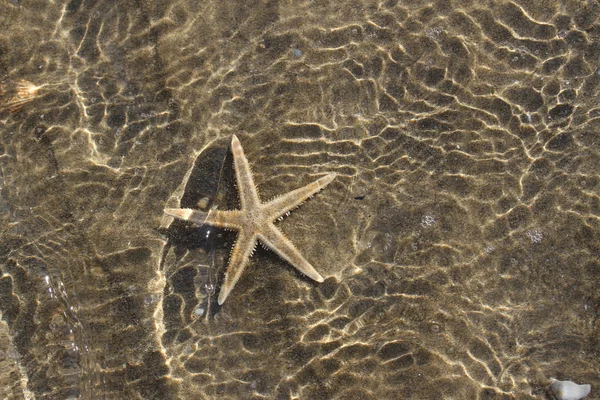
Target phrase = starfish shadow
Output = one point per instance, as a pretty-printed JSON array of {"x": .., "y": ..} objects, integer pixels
[{"x": 201, "y": 247}]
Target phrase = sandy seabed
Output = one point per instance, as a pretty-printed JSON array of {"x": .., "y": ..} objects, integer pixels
[{"x": 459, "y": 242}]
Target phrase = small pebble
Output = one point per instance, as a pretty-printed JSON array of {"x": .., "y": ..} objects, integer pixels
[
  {"x": 567, "y": 390},
  {"x": 199, "y": 311}
]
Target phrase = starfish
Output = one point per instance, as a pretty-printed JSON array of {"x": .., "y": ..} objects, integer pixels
[{"x": 254, "y": 221}]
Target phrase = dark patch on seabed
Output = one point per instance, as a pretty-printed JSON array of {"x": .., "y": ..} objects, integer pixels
[{"x": 459, "y": 242}]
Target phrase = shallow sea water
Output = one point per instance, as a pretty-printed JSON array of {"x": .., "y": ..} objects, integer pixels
[{"x": 459, "y": 242}]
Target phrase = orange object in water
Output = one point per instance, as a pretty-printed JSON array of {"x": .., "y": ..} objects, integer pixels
[{"x": 13, "y": 95}]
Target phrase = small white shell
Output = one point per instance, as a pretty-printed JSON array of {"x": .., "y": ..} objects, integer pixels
[{"x": 567, "y": 390}]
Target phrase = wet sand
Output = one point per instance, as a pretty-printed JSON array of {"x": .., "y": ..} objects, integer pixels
[{"x": 459, "y": 242}]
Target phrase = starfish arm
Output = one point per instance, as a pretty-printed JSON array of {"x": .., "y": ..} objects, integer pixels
[
  {"x": 276, "y": 241},
  {"x": 287, "y": 202},
  {"x": 242, "y": 251},
  {"x": 218, "y": 218},
  {"x": 225, "y": 219},
  {"x": 243, "y": 176},
  {"x": 187, "y": 214}
]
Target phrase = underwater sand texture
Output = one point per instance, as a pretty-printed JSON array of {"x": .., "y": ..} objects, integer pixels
[{"x": 459, "y": 241}]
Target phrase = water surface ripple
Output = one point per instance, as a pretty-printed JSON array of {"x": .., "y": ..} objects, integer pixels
[{"x": 459, "y": 242}]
